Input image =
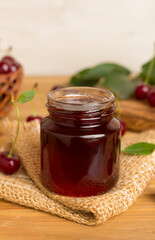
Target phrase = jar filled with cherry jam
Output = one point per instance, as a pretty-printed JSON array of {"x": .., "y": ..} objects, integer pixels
[{"x": 80, "y": 142}]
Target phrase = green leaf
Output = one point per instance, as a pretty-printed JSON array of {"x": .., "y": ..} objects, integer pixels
[
  {"x": 90, "y": 76},
  {"x": 82, "y": 79},
  {"x": 141, "y": 148},
  {"x": 119, "y": 84},
  {"x": 26, "y": 96},
  {"x": 145, "y": 68}
]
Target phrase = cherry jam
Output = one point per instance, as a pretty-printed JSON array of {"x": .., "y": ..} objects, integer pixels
[{"x": 80, "y": 142}]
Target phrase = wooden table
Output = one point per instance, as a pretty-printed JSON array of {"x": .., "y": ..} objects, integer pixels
[{"x": 17, "y": 222}]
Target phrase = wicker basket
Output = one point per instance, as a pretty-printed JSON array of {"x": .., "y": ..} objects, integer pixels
[{"x": 9, "y": 83}]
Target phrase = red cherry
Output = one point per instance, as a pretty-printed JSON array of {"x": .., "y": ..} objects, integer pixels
[
  {"x": 4, "y": 67},
  {"x": 141, "y": 91},
  {"x": 32, "y": 118},
  {"x": 8, "y": 59},
  {"x": 9, "y": 165},
  {"x": 14, "y": 67},
  {"x": 151, "y": 97},
  {"x": 123, "y": 127},
  {"x": 56, "y": 87}
]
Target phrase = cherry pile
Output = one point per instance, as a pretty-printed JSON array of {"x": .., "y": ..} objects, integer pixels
[
  {"x": 8, "y": 64},
  {"x": 145, "y": 91}
]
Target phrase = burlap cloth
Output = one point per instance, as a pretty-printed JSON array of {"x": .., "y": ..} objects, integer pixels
[{"x": 25, "y": 187}]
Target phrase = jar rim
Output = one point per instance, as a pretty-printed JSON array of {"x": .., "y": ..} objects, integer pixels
[{"x": 80, "y": 98}]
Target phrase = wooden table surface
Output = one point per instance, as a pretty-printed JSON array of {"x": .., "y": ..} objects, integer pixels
[{"x": 18, "y": 222}]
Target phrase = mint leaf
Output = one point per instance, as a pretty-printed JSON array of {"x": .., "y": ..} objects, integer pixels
[
  {"x": 90, "y": 76},
  {"x": 141, "y": 148},
  {"x": 119, "y": 84},
  {"x": 26, "y": 96}
]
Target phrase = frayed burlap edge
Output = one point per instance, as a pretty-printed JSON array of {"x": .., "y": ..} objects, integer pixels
[{"x": 135, "y": 173}]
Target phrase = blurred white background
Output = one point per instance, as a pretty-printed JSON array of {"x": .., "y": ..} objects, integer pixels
[{"x": 59, "y": 37}]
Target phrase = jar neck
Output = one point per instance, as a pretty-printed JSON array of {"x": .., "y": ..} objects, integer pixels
[
  {"x": 81, "y": 106},
  {"x": 81, "y": 118}
]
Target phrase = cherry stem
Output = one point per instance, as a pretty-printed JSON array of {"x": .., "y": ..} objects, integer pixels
[
  {"x": 150, "y": 68},
  {"x": 35, "y": 87},
  {"x": 7, "y": 50},
  {"x": 40, "y": 97},
  {"x": 33, "y": 108},
  {"x": 18, "y": 127}
]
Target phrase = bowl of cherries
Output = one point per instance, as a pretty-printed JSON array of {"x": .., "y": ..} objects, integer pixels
[{"x": 11, "y": 73}]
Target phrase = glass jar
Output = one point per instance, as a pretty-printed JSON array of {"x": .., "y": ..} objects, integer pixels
[{"x": 80, "y": 142}]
